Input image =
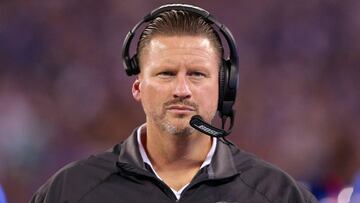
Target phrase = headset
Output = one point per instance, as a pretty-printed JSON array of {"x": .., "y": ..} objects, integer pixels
[{"x": 228, "y": 73}]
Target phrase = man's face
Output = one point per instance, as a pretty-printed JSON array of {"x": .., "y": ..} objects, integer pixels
[{"x": 178, "y": 79}]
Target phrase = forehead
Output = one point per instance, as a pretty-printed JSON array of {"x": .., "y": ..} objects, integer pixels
[
  {"x": 180, "y": 41},
  {"x": 186, "y": 47}
]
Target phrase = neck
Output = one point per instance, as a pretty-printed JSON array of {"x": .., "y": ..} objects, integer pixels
[
  {"x": 174, "y": 152},
  {"x": 176, "y": 159}
]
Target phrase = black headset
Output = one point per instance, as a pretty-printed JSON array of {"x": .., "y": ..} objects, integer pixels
[{"x": 229, "y": 70}]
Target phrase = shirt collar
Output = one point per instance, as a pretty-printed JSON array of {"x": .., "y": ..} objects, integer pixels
[
  {"x": 147, "y": 160},
  {"x": 222, "y": 161}
]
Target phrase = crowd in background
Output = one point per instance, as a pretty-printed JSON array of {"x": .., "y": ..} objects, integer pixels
[{"x": 64, "y": 94}]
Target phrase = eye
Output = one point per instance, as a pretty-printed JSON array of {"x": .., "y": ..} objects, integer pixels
[
  {"x": 197, "y": 74},
  {"x": 166, "y": 74}
]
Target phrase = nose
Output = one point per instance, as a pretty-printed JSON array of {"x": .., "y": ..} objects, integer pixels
[{"x": 182, "y": 88}]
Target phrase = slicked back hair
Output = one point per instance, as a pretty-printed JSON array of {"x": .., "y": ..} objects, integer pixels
[{"x": 179, "y": 23}]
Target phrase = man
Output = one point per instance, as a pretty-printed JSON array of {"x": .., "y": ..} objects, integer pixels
[{"x": 179, "y": 62}]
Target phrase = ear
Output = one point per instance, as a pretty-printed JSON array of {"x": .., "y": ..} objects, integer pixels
[{"x": 136, "y": 90}]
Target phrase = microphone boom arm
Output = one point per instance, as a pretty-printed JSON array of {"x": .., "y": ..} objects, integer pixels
[{"x": 199, "y": 124}]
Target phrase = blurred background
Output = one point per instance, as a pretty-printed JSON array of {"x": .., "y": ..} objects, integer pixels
[{"x": 64, "y": 94}]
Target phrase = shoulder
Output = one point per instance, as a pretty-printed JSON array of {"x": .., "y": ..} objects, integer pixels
[
  {"x": 269, "y": 180},
  {"x": 77, "y": 178}
]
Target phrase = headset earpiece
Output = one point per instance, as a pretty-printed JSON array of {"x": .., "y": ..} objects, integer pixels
[
  {"x": 226, "y": 95},
  {"x": 135, "y": 69},
  {"x": 222, "y": 78}
]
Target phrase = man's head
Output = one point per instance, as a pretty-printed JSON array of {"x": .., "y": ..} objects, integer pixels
[{"x": 179, "y": 55}]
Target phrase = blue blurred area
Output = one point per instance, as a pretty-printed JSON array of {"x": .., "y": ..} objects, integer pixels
[
  {"x": 64, "y": 94},
  {"x": 2, "y": 195},
  {"x": 355, "y": 198}
]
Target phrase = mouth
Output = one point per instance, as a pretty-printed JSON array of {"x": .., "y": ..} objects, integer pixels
[{"x": 182, "y": 109}]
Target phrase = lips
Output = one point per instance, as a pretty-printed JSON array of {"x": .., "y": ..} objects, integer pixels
[{"x": 180, "y": 108}]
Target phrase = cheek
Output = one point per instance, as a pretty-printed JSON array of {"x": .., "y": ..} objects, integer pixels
[
  {"x": 152, "y": 96},
  {"x": 209, "y": 98}
]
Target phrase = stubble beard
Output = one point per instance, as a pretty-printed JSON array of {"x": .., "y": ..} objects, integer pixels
[
  {"x": 180, "y": 129},
  {"x": 176, "y": 126},
  {"x": 167, "y": 126}
]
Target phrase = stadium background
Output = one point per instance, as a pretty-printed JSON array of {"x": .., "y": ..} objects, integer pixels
[{"x": 64, "y": 94}]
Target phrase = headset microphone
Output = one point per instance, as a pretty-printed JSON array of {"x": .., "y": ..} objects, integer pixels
[{"x": 199, "y": 124}]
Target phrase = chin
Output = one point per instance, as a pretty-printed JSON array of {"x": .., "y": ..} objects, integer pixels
[
  {"x": 180, "y": 122},
  {"x": 181, "y": 132},
  {"x": 184, "y": 132},
  {"x": 178, "y": 127}
]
